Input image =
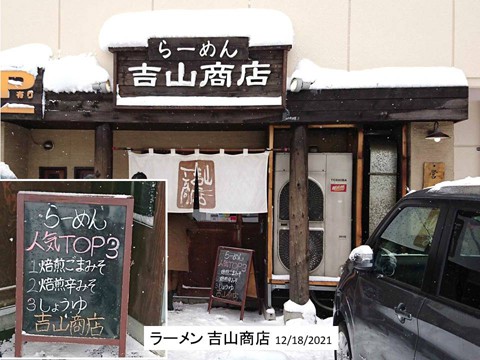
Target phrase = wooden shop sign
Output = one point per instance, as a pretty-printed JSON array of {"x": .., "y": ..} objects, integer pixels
[
  {"x": 201, "y": 72},
  {"x": 433, "y": 173}
]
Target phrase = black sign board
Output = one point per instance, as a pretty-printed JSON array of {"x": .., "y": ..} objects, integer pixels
[
  {"x": 213, "y": 72},
  {"x": 73, "y": 264},
  {"x": 232, "y": 273}
]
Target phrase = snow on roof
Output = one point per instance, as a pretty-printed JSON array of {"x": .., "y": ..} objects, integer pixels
[
  {"x": 262, "y": 26},
  {"x": 28, "y": 57},
  {"x": 388, "y": 77},
  {"x": 74, "y": 73},
  {"x": 68, "y": 74}
]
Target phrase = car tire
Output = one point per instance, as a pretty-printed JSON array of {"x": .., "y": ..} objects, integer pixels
[{"x": 344, "y": 351}]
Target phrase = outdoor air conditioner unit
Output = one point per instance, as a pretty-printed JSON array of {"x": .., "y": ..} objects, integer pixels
[{"x": 329, "y": 212}]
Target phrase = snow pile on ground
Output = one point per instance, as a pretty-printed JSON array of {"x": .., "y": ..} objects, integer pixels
[
  {"x": 258, "y": 355},
  {"x": 74, "y": 73},
  {"x": 308, "y": 312},
  {"x": 68, "y": 74},
  {"x": 388, "y": 77},
  {"x": 5, "y": 172},
  {"x": 197, "y": 315},
  {"x": 28, "y": 57},
  {"x": 74, "y": 351},
  {"x": 262, "y": 26}
]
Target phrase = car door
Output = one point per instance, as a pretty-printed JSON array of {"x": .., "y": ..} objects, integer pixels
[
  {"x": 388, "y": 298},
  {"x": 449, "y": 320}
]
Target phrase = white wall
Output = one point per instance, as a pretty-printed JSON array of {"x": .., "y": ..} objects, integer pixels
[
  {"x": 346, "y": 34},
  {"x": 422, "y": 150},
  {"x": 467, "y": 140}
]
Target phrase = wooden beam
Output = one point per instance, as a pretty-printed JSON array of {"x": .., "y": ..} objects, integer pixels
[
  {"x": 160, "y": 229},
  {"x": 104, "y": 151},
  {"x": 325, "y": 107},
  {"x": 320, "y": 126},
  {"x": 379, "y": 105},
  {"x": 381, "y": 116},
  {"x": 359, "y": 189},
  {"x": 312, "y": 283},
  {"x": 332, "y": 126},
  {"x": 379, "y": 93},
  {"x": 271, "y": 144},
  {"x": 298, "y": 214},
  {"x": 404, "y": 164},
  {"x": 384, "y": 104}
]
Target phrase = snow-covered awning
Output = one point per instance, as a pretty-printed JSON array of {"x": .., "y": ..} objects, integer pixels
[
  {"x": 28, "y": 57},
  {"x": 79, "y": 73},
  {"x": 401, "y": 94},
  {"x": 314, "y": 77},
  {"x": 262, "y": 26}
]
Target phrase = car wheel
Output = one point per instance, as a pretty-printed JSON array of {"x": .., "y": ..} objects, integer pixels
[{"x": 344, "y": 351}]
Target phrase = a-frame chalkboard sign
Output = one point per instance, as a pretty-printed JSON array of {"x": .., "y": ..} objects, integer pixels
[
  {"x": 73, "y": 268},
  {"x": 233, "y": 273}
]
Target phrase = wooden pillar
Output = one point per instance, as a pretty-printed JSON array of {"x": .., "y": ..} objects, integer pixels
[
  {"x": 271, "y": 144},
  {"x": 298, "y": 213},
  {"x": 404, "y": 170},
  {"x": 104, "y": 151},
  {"x": 359, "y": 189}
]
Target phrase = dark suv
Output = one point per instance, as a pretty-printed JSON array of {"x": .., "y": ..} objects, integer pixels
[{"x": 413, "y": 291}]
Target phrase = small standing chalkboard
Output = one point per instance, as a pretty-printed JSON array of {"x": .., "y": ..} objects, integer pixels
[
  {"x": 231, "y": 276},
  {"x": 73, "y": 266}
]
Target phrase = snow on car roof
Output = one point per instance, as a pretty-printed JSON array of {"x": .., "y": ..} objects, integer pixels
[
  {"x": 262, "y": 26},
  {"x": 466, "y": 186}
]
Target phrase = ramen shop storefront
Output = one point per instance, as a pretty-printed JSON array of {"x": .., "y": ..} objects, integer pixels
[
  {"x": 207, "y": 82},
  {"x": 199, "y": 98}
]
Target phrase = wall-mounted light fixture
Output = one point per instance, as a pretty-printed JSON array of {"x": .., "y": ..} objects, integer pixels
[
  {"x": 48, "y": 145},
  {"x": 298, "y": 84},
  {"x": 103, "y": 87},
  {"x": 436, "y": 135}
]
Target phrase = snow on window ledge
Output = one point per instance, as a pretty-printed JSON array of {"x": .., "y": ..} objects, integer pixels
[{"x": 144, "y": 220}]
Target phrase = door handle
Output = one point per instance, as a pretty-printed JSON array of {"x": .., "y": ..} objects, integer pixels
[{"x": 402, "y": 314}]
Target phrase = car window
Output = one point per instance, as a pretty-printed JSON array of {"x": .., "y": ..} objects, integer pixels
[
  {"x": 401, "y": 251},
  {"x": 461, "y": 276}
]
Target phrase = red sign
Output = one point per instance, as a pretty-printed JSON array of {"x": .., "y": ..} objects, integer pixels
[{"x": 338, "y": 187}]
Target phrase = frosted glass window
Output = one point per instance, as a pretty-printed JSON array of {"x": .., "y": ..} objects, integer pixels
[{"x": 383, "y": 180}]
